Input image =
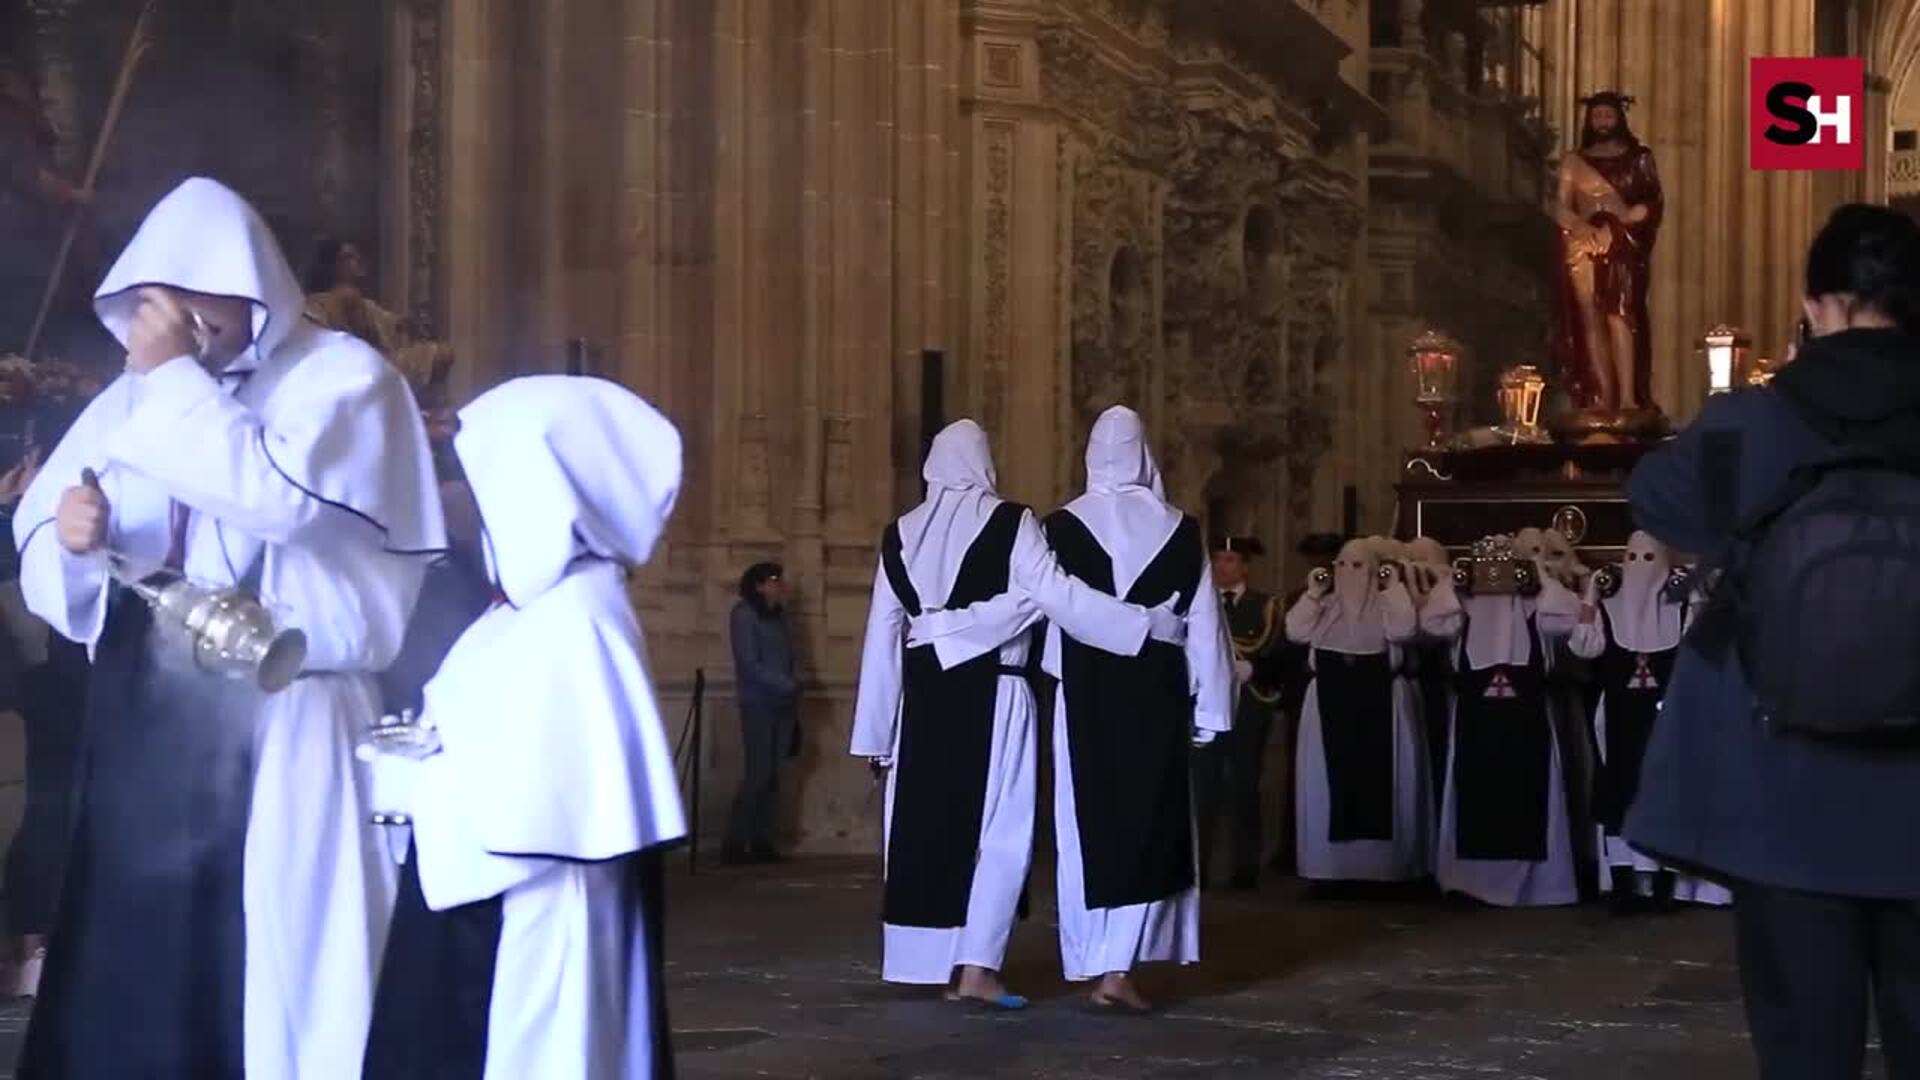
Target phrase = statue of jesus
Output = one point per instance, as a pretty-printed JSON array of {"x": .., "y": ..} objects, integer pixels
[{"x": 1609, "y": 211}]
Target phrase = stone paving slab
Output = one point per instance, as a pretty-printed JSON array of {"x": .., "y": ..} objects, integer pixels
[{"x": 774, "y": 973}]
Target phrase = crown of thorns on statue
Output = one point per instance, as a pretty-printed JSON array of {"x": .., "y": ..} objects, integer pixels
[{"x": 1613, "y": 98}]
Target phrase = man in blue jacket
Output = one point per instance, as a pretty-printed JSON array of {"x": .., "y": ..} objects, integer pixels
[{"x": 1820, "y": 840}]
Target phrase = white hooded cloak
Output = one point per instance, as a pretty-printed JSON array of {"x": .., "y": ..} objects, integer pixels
[
  {"x": 305, "y": 461},
  {"x": 555, "y": 763}
]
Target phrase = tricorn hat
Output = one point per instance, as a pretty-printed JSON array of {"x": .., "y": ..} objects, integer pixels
[{"x": 1248, "y": 546}]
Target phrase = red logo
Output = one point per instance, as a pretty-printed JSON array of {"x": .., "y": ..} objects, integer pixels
[{"x": 1809, "y": 113}]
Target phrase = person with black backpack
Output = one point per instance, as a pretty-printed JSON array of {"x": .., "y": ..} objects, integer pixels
[{"x": 1787, "y": 759}]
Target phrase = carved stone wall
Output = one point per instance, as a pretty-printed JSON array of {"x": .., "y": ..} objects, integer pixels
[{"x": 1208, "y": 243}]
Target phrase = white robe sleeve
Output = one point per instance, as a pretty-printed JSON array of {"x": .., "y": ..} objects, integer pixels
[
  {"x": 1303, "y": 618},
  {"x": 876, "y": 710},
  {"x": 1588, "y": 639},
  {"x": 1209, "y": 659},
  {"x": 1089, "y": 615},
  {"x": 1442, "y": 617},
  {"x": 68, "y": 591},
  {"x": 216, "y": 455},
  {"x": 982, "y": 628},
  {"x": 1398, "y": 620},
  {"x": 1556, "y": 609}
]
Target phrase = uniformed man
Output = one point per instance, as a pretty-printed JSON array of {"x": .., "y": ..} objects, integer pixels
[{"x": 1229, "y": 770}]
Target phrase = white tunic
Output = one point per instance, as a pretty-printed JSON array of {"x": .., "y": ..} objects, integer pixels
[
  {"x": 1497, "y": 634},
  {"x": 1358, "y": 618},
  {"x": 312, "y": 460}
]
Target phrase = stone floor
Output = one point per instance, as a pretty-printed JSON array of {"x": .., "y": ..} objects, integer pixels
[{"x": 772, "y": 974}]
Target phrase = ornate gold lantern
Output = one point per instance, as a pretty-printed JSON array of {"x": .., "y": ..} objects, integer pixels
[
  {"x": 1434, "y": 359},
  {"x": 1521, "y": 389},
  {"x": 1761, "y": 373},
  {"x": 1728, "y": 354}
]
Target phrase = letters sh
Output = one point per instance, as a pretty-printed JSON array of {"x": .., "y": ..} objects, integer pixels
[{"x": 1808, "y": 113}]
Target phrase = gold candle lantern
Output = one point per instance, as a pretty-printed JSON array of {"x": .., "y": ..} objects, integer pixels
[
  {"x": 1521, "y": 389},
  {"x": 1434, "y": 359},
  {"x": 1728, "y": 353}
]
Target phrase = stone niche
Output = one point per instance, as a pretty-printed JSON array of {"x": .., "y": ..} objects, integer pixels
[{"x": 1210, "y": 219}]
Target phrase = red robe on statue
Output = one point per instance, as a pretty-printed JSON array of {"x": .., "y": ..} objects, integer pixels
[{"x": 1620, "y": 277}]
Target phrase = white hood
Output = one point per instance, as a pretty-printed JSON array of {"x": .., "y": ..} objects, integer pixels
[
  {"x": 1125, "y": 507},
  {"x": 563, "y": 466},
  {"x": 1643, "y": 619},
  {"x": 936, "y": 535},
  {"x": 204, "y": 238}
]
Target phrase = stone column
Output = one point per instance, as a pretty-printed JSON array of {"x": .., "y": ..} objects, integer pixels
[{"x": 1014, "y": 272}]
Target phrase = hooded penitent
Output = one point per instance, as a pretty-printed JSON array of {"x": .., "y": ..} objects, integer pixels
[
  {"x": 554, "y": 745},
  {"x": 302, "y": 469},
  {"x": 1643, "y": 620},
  {"x": 1351, "y": 623}
]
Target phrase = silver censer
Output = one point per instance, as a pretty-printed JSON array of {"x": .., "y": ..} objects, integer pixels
[{"x": 227, "y": 630}]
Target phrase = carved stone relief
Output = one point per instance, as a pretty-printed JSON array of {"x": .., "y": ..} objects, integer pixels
[
  {"x": 1252, "y": 244},
  {"x": 998, "y": 247},
  {"x": 424, "y": 191}
]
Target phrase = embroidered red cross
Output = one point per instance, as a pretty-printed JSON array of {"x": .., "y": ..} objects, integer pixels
[{"x": 1500, "y": 687}]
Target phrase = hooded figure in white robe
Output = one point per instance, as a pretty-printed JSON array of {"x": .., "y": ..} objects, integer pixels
[
  {"x": 1123, "y": 819},
  {"x": 1505, "y": 837},
  {"x": 944, "y": 701},
  {"x": 1632, "y": 637},
  {"x": 526, "y": 942},
  {"x": 226, "y": 902},
  {"x": 1362, "y": 811}
]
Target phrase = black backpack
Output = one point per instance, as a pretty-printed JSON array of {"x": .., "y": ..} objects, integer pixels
[{"x": 1819, "y": 593}]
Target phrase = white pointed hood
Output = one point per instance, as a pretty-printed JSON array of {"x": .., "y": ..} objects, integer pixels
[
  {"x": 564, "y": 466},
  {"x": 1125, "y": 507},
  {"x": 936, "y": 535},
  {"x": 204, "y": 238},
  {"x": 1642, "y": 618},
  {"x": 1352, "y": 622}
]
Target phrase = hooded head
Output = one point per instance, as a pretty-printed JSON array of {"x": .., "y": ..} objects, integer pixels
[
  {"x": 1642, "y": 617},
  {"x": 1561, "y": 558},
  {"x": 1125, "y": 507},
  {"x": 203, "y": 238},
  {"x": 563, "y": 467},
  {"x": 1530, "y": 544},
  {"x": 1428, "y": 551},
  {"x": 1355, "y": 573},
  {"x": 1117, "y": 456},
  {"x": 959, "y": 460},
  {"x": 936, "y": 535}
]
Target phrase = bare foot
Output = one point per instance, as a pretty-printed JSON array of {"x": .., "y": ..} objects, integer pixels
[
  {"x": 1116, "y": 990},
  {"x": 984, "y": 985}
]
